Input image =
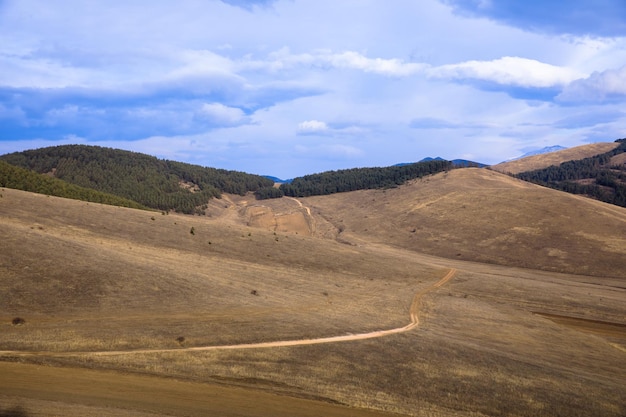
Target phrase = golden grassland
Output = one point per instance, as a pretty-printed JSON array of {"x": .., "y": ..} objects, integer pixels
[
  {"x": 531, "y": 163},
  {"x": 503, "y": 337},
  {"x": 484, "y": 216}
]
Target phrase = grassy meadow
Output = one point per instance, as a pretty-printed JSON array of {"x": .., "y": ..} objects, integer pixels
[{"x": 532, "y": 323}]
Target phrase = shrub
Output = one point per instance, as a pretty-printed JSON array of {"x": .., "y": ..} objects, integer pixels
[{"x": 18, "y": 321}]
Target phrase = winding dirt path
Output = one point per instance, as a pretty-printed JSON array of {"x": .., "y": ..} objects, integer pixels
[
  {"x": 308, "y": 210},
  {"x": 311, "y": 220},
  {"x": 414, "y": 315}
]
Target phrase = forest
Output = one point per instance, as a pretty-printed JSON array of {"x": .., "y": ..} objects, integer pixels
[
  {"x": 26, "y": 180},
  {"x": 340, "y": 181},
  {"x": 596, "y": 177},
  {"x": 132, "y": 179},
  {"x": 151, "y": 182}
]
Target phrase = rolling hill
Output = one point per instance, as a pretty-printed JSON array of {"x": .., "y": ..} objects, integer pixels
[
  {"x": 129, "y": 298},
  {"x": 471, "y": 214},
  {"x": 602, "y": 176},
  {"x": 23, "y": 179},
  {"x": 545, "y": 160},
  {"x": 151, "y": 182},
  {"x": 488, "y": 295}
]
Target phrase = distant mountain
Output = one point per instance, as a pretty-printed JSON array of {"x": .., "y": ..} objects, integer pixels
[
  {"x": 277, "y": 180},
  {"x": 151, "y": 182},
  {"x": 459, "y": 163},
  {"x": 547, "y": 149},
  {"x": 465, "y": 163}
]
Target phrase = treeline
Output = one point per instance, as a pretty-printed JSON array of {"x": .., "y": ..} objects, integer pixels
[
  {"x": 26, "y": 180},
  {"x": 595, "y": 177},
  {"x": 331, "y": 182},
  {"x": 151, "y": 182}
]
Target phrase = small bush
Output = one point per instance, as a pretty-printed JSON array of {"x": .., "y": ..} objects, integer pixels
[
  {"x": 254, "y": 292},
  {"x": 180, "y": 340},
  {"x": 192, "y": 231},
  {"x": 18, "y": 321}
]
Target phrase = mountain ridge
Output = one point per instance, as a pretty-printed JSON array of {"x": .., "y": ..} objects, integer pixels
[{"x": 544, "y": 150}]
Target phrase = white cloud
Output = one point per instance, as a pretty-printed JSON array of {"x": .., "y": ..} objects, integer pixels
[
  {"x": 514, "y": 71},
  {"x": 283, "y": 59},
  {"x": 598, "y": 87},
  {"x": 359, "y": 87},
  {"x": 312, "y": 127},
  {"x": 390, "y": 67},
  {"x": 220, "y": 114},
  {"x": 249, "y": 4}
]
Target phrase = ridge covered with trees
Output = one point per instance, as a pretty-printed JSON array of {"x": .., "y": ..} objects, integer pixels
[
  {"x": 345, "y": 180},
  {"x": 596, "y": 177},
  {"x": 147, "y": 180},
  {"x": 26, "y": 180}
]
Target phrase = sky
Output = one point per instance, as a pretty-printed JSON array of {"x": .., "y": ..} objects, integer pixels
[{"x": 295, "y": 87}]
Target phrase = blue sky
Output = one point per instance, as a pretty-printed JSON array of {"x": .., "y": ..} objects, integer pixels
[{"x": 292, "y": 87}]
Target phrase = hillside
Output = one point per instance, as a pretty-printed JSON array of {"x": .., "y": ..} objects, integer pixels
[
  {"x": 23, "y": 179},
  {"x": 126, "y": 312},
  {"x": 472, "y": 214},
  {"x": 346, "y": 180},
  {"x": 534, "y": 162},
  {"x": 602, "y": 176},
  {"x": 151, "y": 182}
]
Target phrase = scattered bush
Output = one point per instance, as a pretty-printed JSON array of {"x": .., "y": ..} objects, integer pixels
[
  {"x": 18, "y": 321},
  {"x": 254, "y": 292}
]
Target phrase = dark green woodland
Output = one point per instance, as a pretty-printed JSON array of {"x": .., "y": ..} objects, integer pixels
[
  {"x": 596, "y": 177},
  {"x": 149, "y": 181},
  {"x": 132, "y": 179},
  {"x": 345, "y": 180}
]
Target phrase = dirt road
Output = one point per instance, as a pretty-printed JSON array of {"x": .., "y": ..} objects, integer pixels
[{"x": 414, "y": 322}]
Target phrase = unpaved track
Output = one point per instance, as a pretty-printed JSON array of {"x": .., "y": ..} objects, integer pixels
[
  {"x": 414, "y": 316},
  {"x": 308, "y": 212}
]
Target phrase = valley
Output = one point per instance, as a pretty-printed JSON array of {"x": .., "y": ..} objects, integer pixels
[{"x": 270, "y": 307}]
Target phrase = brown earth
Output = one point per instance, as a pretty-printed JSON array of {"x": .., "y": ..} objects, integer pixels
[
  {"x": 482, "y": 216},
  {"x": 87, "y": 278},
  {"x": 75, "y": 391},
  {"x": 554, "y": 158}
]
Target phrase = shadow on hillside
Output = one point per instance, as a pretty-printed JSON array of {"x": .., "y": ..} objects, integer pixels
[{"x": 14, "y": 412}]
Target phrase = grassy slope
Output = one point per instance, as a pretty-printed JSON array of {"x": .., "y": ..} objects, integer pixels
[
  {"x": 90, "y": 277},
  {"x": 485, "y": 216},
  {"x": 554, "y": 158}
]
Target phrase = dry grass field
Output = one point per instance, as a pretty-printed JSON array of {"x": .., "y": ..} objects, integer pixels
[
  {"x": 532, "y": 322},
  {"x": 554, "y": 158}
]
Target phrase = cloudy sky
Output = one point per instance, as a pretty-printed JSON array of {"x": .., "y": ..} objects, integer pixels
[{"x": 292, "y": 87}]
